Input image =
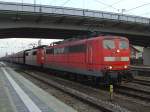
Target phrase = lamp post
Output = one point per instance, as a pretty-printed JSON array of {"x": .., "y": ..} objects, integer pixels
[
  {"x": 123, "y": 10},
  {"x": 34, "y": 5},
  {"x": 22, "y": 4}
]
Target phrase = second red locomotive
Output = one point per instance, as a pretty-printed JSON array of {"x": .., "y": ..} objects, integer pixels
[{"x": 106, "y": 58}]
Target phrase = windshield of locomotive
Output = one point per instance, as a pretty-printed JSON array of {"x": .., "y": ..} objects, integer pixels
[
  {"x": 109, "y": 44},
  {"x": 123, "y": 44}
]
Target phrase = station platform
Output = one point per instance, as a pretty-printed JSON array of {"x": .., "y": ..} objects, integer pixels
[{"x": 17, "y": 94}]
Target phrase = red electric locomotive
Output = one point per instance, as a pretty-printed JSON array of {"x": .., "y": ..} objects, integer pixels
[{"x": 105, "y": 58}]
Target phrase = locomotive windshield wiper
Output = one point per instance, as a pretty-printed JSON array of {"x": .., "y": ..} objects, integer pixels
[{"x": 108, "y": 46}]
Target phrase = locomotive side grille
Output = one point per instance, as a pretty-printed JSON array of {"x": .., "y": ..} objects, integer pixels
[{"x": 116, "y": 59}]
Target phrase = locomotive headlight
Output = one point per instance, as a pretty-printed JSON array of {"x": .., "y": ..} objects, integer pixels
[
  {"x": 110, "y": 67},
  {"x": 125, "y": 66},
  {"x": 118, "y": 50}
]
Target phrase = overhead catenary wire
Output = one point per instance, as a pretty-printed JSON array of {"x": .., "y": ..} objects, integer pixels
[
  {"x": 98, "y": 1},
  {"x": 65, "y": 2},
  {"x": 137, "y": 7},
  {"x": 117, "y": 2}
]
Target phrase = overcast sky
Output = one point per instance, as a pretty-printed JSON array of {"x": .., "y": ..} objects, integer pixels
[{"x": 132, "y": 7}]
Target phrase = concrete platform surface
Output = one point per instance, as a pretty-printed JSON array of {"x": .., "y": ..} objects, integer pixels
[{"x": 17, "y": 94}]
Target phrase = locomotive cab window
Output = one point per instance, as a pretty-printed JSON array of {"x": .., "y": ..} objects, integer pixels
[
  {"x": 109, "y": 44},
  {"x": 34, "y": 53},
  {"x": 50, "y": 51},
  {"x": 77, "y": 48},
  {"x": 123, "y": 44},
  {"x": 59, "y": 50},
  {"x": 27, "y": 54}
]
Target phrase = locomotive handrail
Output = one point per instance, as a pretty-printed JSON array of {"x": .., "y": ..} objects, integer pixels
[{"x": 58, "y": 10}]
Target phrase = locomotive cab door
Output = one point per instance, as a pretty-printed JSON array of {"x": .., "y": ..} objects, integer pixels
[{"x": 89, "y": 56}]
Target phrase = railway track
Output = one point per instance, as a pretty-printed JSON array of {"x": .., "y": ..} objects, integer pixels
[
  {"x": 128, "y": 91},
  {"x": 142, "y": 82},
  {"x": 91, "y": 96},
  {"x": 104, "y": 106},
  {"x": 132, "y": 92}
]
